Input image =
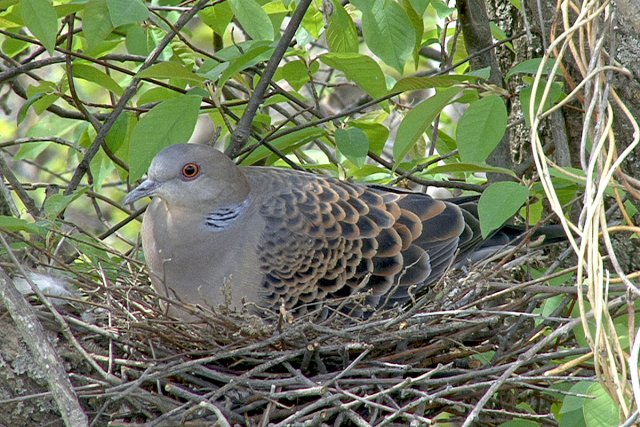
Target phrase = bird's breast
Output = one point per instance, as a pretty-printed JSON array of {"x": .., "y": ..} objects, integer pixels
[{"x": 198, "y": 263}]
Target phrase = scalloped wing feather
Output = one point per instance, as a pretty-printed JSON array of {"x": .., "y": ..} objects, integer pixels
[{"x": 325, "y": 238}]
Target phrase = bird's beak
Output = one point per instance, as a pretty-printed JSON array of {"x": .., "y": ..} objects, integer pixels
[{"x": 146, "y": 189}]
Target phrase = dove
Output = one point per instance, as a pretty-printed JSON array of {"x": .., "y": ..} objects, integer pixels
[{"x": 216, "y": 232}]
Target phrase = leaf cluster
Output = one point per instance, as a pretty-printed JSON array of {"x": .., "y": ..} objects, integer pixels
[{"x": 376, "y": 91}]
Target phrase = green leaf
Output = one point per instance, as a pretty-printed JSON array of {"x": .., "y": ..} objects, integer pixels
[
  {"x": 498, "y": 203},
  {"x": 418, "y": 26},
  {"x": 7, "y": 23},
  {"x": 342, "y": 35},
  {"x": 258, "y": 53},
  {"x": 96, "y": 24},
  {"x": 420, "y": 6},
  {"x": 499, "y": 34},
  {"x": 441, "y": 8},
  {"x": 217, "y": 17},
  {"x": 419, "y": 83},
  {"x": 481, "y": 128},
  {"x": 43, "y": 103},
  {"x": 360, "y": 69},
  {"x": 525, "y": 99},
  {"x": 50, "y": 124},
  {"x": 171, "y": 70},
  {"x": 485, "y": 357},
  {"x": 101, "y": 168},
  {"x": 56, "y": 203},
  {"x": 481, "y": 73},
  {"x": 285, "y": 144},
  {"x": 295, "y": 73},
  {"x": 118, "y": 139},
  {"x": 388, "y": 31},
  {"x": 549, "y": 306},
  {"x": 532, "y": 213},
  {"x": 253, "y": 18},
  {"x": 530, "y": 66},
  {"x": 371, "y": 173},
  {"x": 24, "y": 109},
  {"x": 91, "y": 248},
  {"x": 601, "y": 410},
  {"x": 471, "y": 168},
  {"x": 123, "y": 12},
  {"x": 13, "y": 47},
  {"x": 235, "y": 59},
  {"x": 11, "y": 223},
  {"x": 354, "y": 144},
  {"x": 30, "y": 150},
  {"x": 41, "y": 96},
  {"x": 572, "y": 419},
  {"x": 445, "y": 142},
  {"x": 377, "y": 134},
  {"x": 139, "y": 41},
  {"x": 460, "y": 55},
  {"x": 313, "y": 23},
  {"x": 157, "y": 94},
  {"x": 118, "y": 134},
  {"x": 168, "y": 123},
  {"x": 4, "y": 4},
  {"x": 40, "y": 18},
  {"x": 44, "y": 86},
  {"x": 11, "y": 17},
  {"x": 568, "y": 174},
  {"x": 63, "y": 10},
  {"x": 419, "y": 119},
  {"x": 517, "y": 4},
  {"x": 572, "y": 403},
  {"x": 469, "y": 96},
  {"x": 99, "y": 77}
]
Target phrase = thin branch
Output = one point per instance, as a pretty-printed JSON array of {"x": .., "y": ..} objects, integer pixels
[
  {"x": 29, "y": 66},
  {"x": 525, "y": 358},
  {"x": 43, "y": 352},
  {"x": 28, "y": 202},
  {"x": 72, "y": 85},
  {"x": 129, "y": 92},
  {"x": 243, "y": 129}
]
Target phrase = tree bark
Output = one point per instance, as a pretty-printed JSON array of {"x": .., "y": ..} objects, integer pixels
[{"x": 476, "y": 29}]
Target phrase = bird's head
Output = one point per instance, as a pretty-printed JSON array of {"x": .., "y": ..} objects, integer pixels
[{"x": 192, "y": 176}]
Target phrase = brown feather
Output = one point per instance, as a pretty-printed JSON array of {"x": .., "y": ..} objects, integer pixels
[{"x": 280, "y": 234}]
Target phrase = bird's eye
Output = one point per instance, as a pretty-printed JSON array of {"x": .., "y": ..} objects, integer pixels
[{"x": 190, "y": 170}]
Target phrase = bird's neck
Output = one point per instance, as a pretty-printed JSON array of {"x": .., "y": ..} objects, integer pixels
[{"x": 221, "y": 218}]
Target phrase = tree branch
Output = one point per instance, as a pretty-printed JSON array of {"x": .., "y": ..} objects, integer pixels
[
  {"x": 43, "y": 352},
  {"x": 477, "y": 37},
  {"x": 243, "y": 129},
  {"x": 129, "y": 92}
]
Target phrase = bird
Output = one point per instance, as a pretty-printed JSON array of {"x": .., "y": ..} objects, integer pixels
[{"x": 218, "y": 233}]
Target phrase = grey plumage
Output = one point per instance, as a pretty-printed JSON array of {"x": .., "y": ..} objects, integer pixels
[{"x": 275, "y": 235}]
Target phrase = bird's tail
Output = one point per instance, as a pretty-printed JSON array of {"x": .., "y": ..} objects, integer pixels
[{"x": 474, "y": 248}]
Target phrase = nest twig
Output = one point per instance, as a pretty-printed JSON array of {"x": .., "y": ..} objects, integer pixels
[{"x": 463, "y": 348}]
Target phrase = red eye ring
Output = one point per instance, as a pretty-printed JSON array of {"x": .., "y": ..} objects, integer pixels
[{"x": 190, "y": 171}]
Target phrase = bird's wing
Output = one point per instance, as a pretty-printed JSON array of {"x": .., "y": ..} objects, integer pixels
[{"x": 326, "y": 238}]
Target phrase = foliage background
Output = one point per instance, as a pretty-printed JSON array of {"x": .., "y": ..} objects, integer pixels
[{"x": 419, "y": 93}]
